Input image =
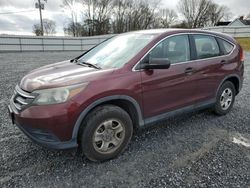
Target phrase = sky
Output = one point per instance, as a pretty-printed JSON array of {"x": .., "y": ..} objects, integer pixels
[{"x": 26, "y": 15}]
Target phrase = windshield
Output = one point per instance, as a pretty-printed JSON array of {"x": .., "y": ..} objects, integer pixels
[{"x": 117, "y": 51}]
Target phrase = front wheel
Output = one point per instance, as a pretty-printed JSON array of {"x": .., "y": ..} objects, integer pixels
[
  {"x": 225, "y": 98},
  {"x": 106, "y": 133}
]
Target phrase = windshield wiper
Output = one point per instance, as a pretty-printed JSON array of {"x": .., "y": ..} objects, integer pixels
[
  {"x": 86, "y": 63},
  {"x": 73, "y": 60}
]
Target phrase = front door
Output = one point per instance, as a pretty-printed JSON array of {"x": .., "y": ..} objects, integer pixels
[{"x": 165, "y": 90}]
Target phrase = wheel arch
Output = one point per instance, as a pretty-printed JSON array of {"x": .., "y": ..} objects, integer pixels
[
  {"x": 127, "y": 103},
  {"x": 235, "y": 79}
]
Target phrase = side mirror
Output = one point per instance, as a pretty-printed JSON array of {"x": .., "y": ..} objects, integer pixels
[{"x": 156, "y": 63}]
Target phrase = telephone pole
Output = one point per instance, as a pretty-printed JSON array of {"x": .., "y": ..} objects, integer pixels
[{"x": 40, "y": 6}]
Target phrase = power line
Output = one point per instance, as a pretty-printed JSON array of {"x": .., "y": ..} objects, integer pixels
[{"x": 17, "y": 12}]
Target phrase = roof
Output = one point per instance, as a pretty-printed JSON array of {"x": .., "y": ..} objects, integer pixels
[
  {"x": 173, "y": 31},
  {"x": 158, "y": 31},
  {"x": 245, "y": 22},
  {"x": 222, "y": 23}
]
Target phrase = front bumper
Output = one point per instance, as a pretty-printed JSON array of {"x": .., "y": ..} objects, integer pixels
[
  {"x": 40, "y": 138},
  {"x": 30, "y": 125}
]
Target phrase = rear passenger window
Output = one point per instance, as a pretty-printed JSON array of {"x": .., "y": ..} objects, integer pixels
[
  {"x": 226, "y": 47},
  {"x": 206, "y": 46},
  {"x": 175, "y": 48}
]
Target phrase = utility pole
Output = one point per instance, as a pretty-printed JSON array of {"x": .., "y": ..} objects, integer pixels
[{"x": 40, "y": 6}]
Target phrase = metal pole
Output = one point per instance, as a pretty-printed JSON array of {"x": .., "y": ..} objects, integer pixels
[{"x": 41, "y": 19}]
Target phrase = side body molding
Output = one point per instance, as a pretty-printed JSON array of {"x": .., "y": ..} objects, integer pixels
[{"x": 100, "y": 101}]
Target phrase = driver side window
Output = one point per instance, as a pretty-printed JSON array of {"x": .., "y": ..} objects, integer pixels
[{"x": 176, "y": 49}]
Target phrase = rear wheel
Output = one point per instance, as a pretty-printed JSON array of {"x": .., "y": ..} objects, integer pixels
[
  {"x": 106, "y": 133},
  {"x": 225, "y": 98}
]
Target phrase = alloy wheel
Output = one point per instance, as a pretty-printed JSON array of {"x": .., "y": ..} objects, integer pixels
[
  {"x": 226, "y": 98},
  {"x": 108, "y": 136}
]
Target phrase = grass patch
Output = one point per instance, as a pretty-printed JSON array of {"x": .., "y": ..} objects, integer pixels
[{"x": 245, "y": 43}]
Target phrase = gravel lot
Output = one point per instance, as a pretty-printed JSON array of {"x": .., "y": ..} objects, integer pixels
[{"x": 193, "y": 150}]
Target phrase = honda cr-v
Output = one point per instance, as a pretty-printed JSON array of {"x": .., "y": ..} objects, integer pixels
[{"x": 97, "y": 100}]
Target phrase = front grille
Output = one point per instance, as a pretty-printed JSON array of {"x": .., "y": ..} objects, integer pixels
[{"x": 21, "y": 99}]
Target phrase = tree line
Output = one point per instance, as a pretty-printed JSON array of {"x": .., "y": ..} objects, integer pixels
[{"x": 117, "y": 16}]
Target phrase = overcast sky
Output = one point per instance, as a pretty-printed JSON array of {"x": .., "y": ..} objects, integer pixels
[{"x": 21, "y": 23}]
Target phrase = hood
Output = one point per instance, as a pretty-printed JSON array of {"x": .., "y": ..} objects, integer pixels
[{"x": 59, "y": 75}]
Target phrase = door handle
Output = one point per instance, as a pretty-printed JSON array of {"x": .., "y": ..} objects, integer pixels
[{"x": 189, "y": 71}]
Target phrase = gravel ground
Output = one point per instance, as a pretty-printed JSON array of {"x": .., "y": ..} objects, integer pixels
[{"x": 193, "y": 150}]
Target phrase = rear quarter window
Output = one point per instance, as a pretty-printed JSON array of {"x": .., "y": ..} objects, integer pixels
[{"x": 226, "y": 47}]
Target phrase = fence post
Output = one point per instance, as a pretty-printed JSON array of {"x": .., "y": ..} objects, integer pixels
[
  {"x": 42, "y": 44},
  {"x": 63, "y": 45},
  {"x": 81, "y": 45},
  {"x": 20, "y": 44}
]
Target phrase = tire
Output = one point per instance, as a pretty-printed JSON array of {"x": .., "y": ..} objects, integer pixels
[
  {"x": 225, "y": 98},
  {"x": 106, "y": 133}
]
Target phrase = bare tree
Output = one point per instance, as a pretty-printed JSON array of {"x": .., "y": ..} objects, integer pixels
[
  {"x": 49, "y": 27},
  {"x": 71, "y": 5},
  {"x": 200, "y": 13},
  {"x": 167, "y": 17},
  {"x": 75, "y": 29},
  {"x": 195, "y": 12},
  {"x": 117, "y": 16},
  {"x": 129, "y": 15},
  {"x": 218, "y": 13},
  {"x": 120, "y": 18},
  {"x": 142, "y": 14},
  {"x": 182, "y": 24},
  {"x": 37, "y": 29},
  {"x": 97, "y": 16}
]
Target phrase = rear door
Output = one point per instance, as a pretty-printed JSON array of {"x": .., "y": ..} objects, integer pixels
[
  {"x": 208, "y": 65},
  {"x": 168, "y": 89}
]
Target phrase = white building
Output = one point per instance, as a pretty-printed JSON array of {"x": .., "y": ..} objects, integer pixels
[{"x": 240, "y": 22}]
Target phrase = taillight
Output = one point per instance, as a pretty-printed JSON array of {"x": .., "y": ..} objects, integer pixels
[{"x": 241, "y": 54}]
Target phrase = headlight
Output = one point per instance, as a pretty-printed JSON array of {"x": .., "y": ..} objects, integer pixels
[{"x": 57, "y": 95}]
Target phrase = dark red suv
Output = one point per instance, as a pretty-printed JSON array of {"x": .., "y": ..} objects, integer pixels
[{"x": 130, "y": 81}]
